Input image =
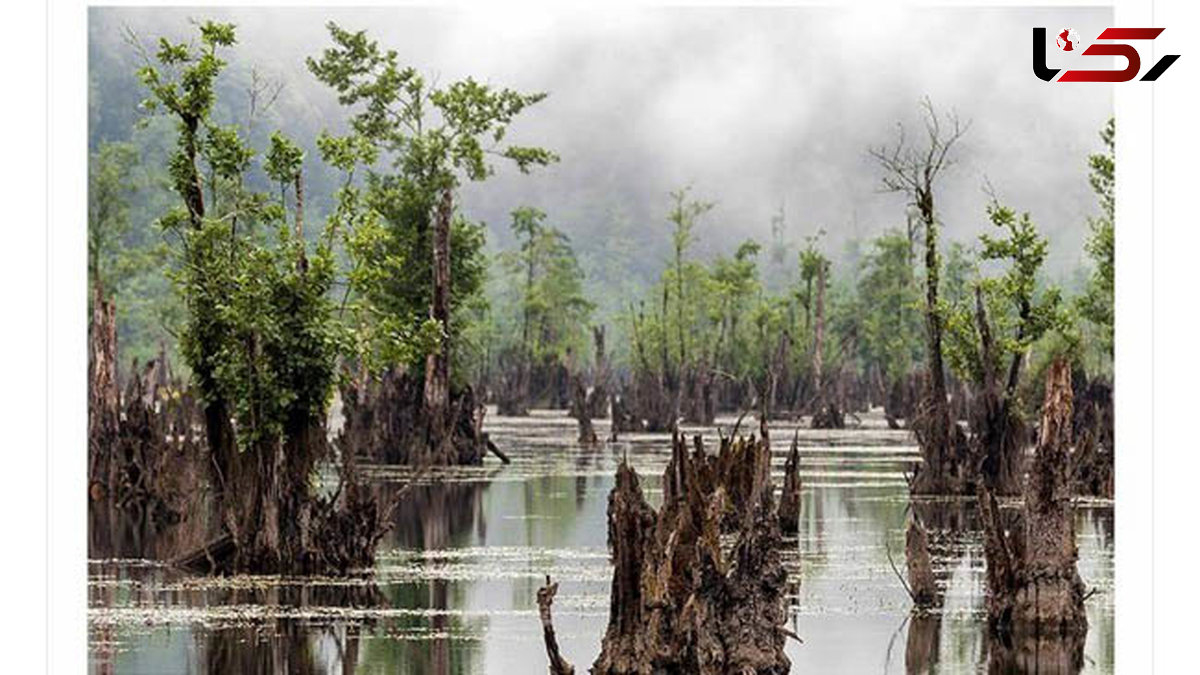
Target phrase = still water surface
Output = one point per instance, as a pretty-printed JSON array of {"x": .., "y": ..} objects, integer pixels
[{"x": 455, "y": 580}]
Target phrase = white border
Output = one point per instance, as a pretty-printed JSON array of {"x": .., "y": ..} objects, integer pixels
[
  {"x": 23, "y": 501},
  {"x": 1140, "y": 244},
  {"x": 1176, "y": 460}
]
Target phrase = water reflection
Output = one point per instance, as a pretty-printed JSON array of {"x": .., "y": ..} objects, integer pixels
[
  {"x": 455, "y": 581},
  {"x": 923, "y": 648}
]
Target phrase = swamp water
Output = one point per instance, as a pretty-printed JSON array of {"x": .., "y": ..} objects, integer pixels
[{"x": 456, "y": 578}]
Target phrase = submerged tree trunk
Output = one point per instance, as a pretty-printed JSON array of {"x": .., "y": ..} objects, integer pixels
[
  {"x": 679, "y": 602},
  {"x": 1035, "y": 594},
  {"x": 922, "y": 647},
  {"x": 997, "y": 430},
  {"x": 545, "y": 599},
  {"x": 789, "y": 499},
  {"x": 581, "y": 410},
  {"x": 921, "y": 582},
  {"x": 437, "y": 364},
  {"x": 942, "y": 444},
  {"x": 104, "y": 411}
]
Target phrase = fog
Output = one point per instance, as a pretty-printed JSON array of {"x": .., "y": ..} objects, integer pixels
[{"x": 757, "y": 109}]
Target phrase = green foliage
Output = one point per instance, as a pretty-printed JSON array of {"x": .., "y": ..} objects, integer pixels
[
  {"x": 433, "y": 139},
  {"x": 258, "y": 330},
  {"x": 285, "y": 160},
  {"x": 1096, "y": 305},
  {"x": 548, "y": 282},
  {"x": 889, "y": 303},
  {"x": 681, "y": 322},
  {"x": 1019, "y": 312},
  {"x": 812, "y": 264},
  {"x": 110, "y": 263}
]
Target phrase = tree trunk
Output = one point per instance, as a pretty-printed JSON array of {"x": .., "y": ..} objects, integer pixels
[
  {"x": 104, "y": 398},
  {"x": 545, "y": 598},
  {"x": 1035, "y": 594},
  {"x": 789, "y": 499},
  {"x": 680, "y": 603},
  {"x": 437, "y": 364},
  {"x": 936, "y": 436},
  {"x": 921, "y": 582},
  {"x": 997, "y": 431}
]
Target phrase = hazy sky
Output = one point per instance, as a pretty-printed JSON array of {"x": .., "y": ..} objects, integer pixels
[{"x": 756, "y": 108}]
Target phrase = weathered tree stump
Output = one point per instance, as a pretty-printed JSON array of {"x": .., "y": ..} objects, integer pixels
[
  {"x": 581, "y": 410},
  {"x": 104, "y": 406},
  {"x": 545, "y": 598},
  {"x": 623, "y": 419},
  {"x": 512, "y": 391},
  {"x": 1035, "y": 595},
  {"x": 1094, "y": 472},
  {"x": 828, "y": 416},
  {"x": 679, "y": 602},
  {"x": 789, "y": 499},
  {"x": 384, "y": 423},
  {"x": 948, "y": 464},
  {"x": 921, "y": 582}
]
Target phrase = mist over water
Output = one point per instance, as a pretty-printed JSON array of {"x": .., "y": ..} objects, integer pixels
[{"x": 759, "y": 109}]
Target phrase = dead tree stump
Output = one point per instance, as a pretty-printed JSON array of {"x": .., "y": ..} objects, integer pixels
[
  {"x": 104, "y": 413},
  {"x": 789, "y": 499},
  {"x": 921, "y": 582},
  {"x": 1035, "y": 595},
  {"x": 545, "y": 598},
  {"x": 679, "y": 602},
  {"x": 581, "y": 410},
  {"x": 384, "y": 423}
]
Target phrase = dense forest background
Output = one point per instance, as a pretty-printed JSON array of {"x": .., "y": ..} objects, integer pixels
[{"x": 766, "y": 115}]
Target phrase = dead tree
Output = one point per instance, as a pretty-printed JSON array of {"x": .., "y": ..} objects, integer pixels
[
  {"x": 922, "y": 584},
  {"x": 679, "y": 602},
  {"x": 789, "y": 499},
  {"x": 1035, "y": 594},
  {"x": 384, "y": 422},
  {"x": 598, "y": 397},
  {"x": 914, "y": 171},
  {"x": 623, "y": 418},
  {"x": 104, "y": 412},
  {"x": 997, "y": 431},
  {"x": 1094, "y": 471},
  {"x": 512, "y": 394},
  {"x": 581, "y": 410},
  {"x": 545, "y": 598}
]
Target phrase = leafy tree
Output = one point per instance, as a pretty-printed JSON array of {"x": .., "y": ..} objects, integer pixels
[
  {"x": 682, "y": 217},
  {"x": 1096, "y": 305},
  {"x": 888, "y": 301},
  {"x": 814, "y": 267},
  {"x": 553, "y": 309},
  {"x": 1010, "y": 314},
  {"x": 914, "y": 170},
  {"x": 435, "y": 138},
  {"x": 1019, "y": 313},
  {"x": 259, "y": 334},
  {"x": 734, "y": 286},
  {"x": 110, "y": 173}
]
